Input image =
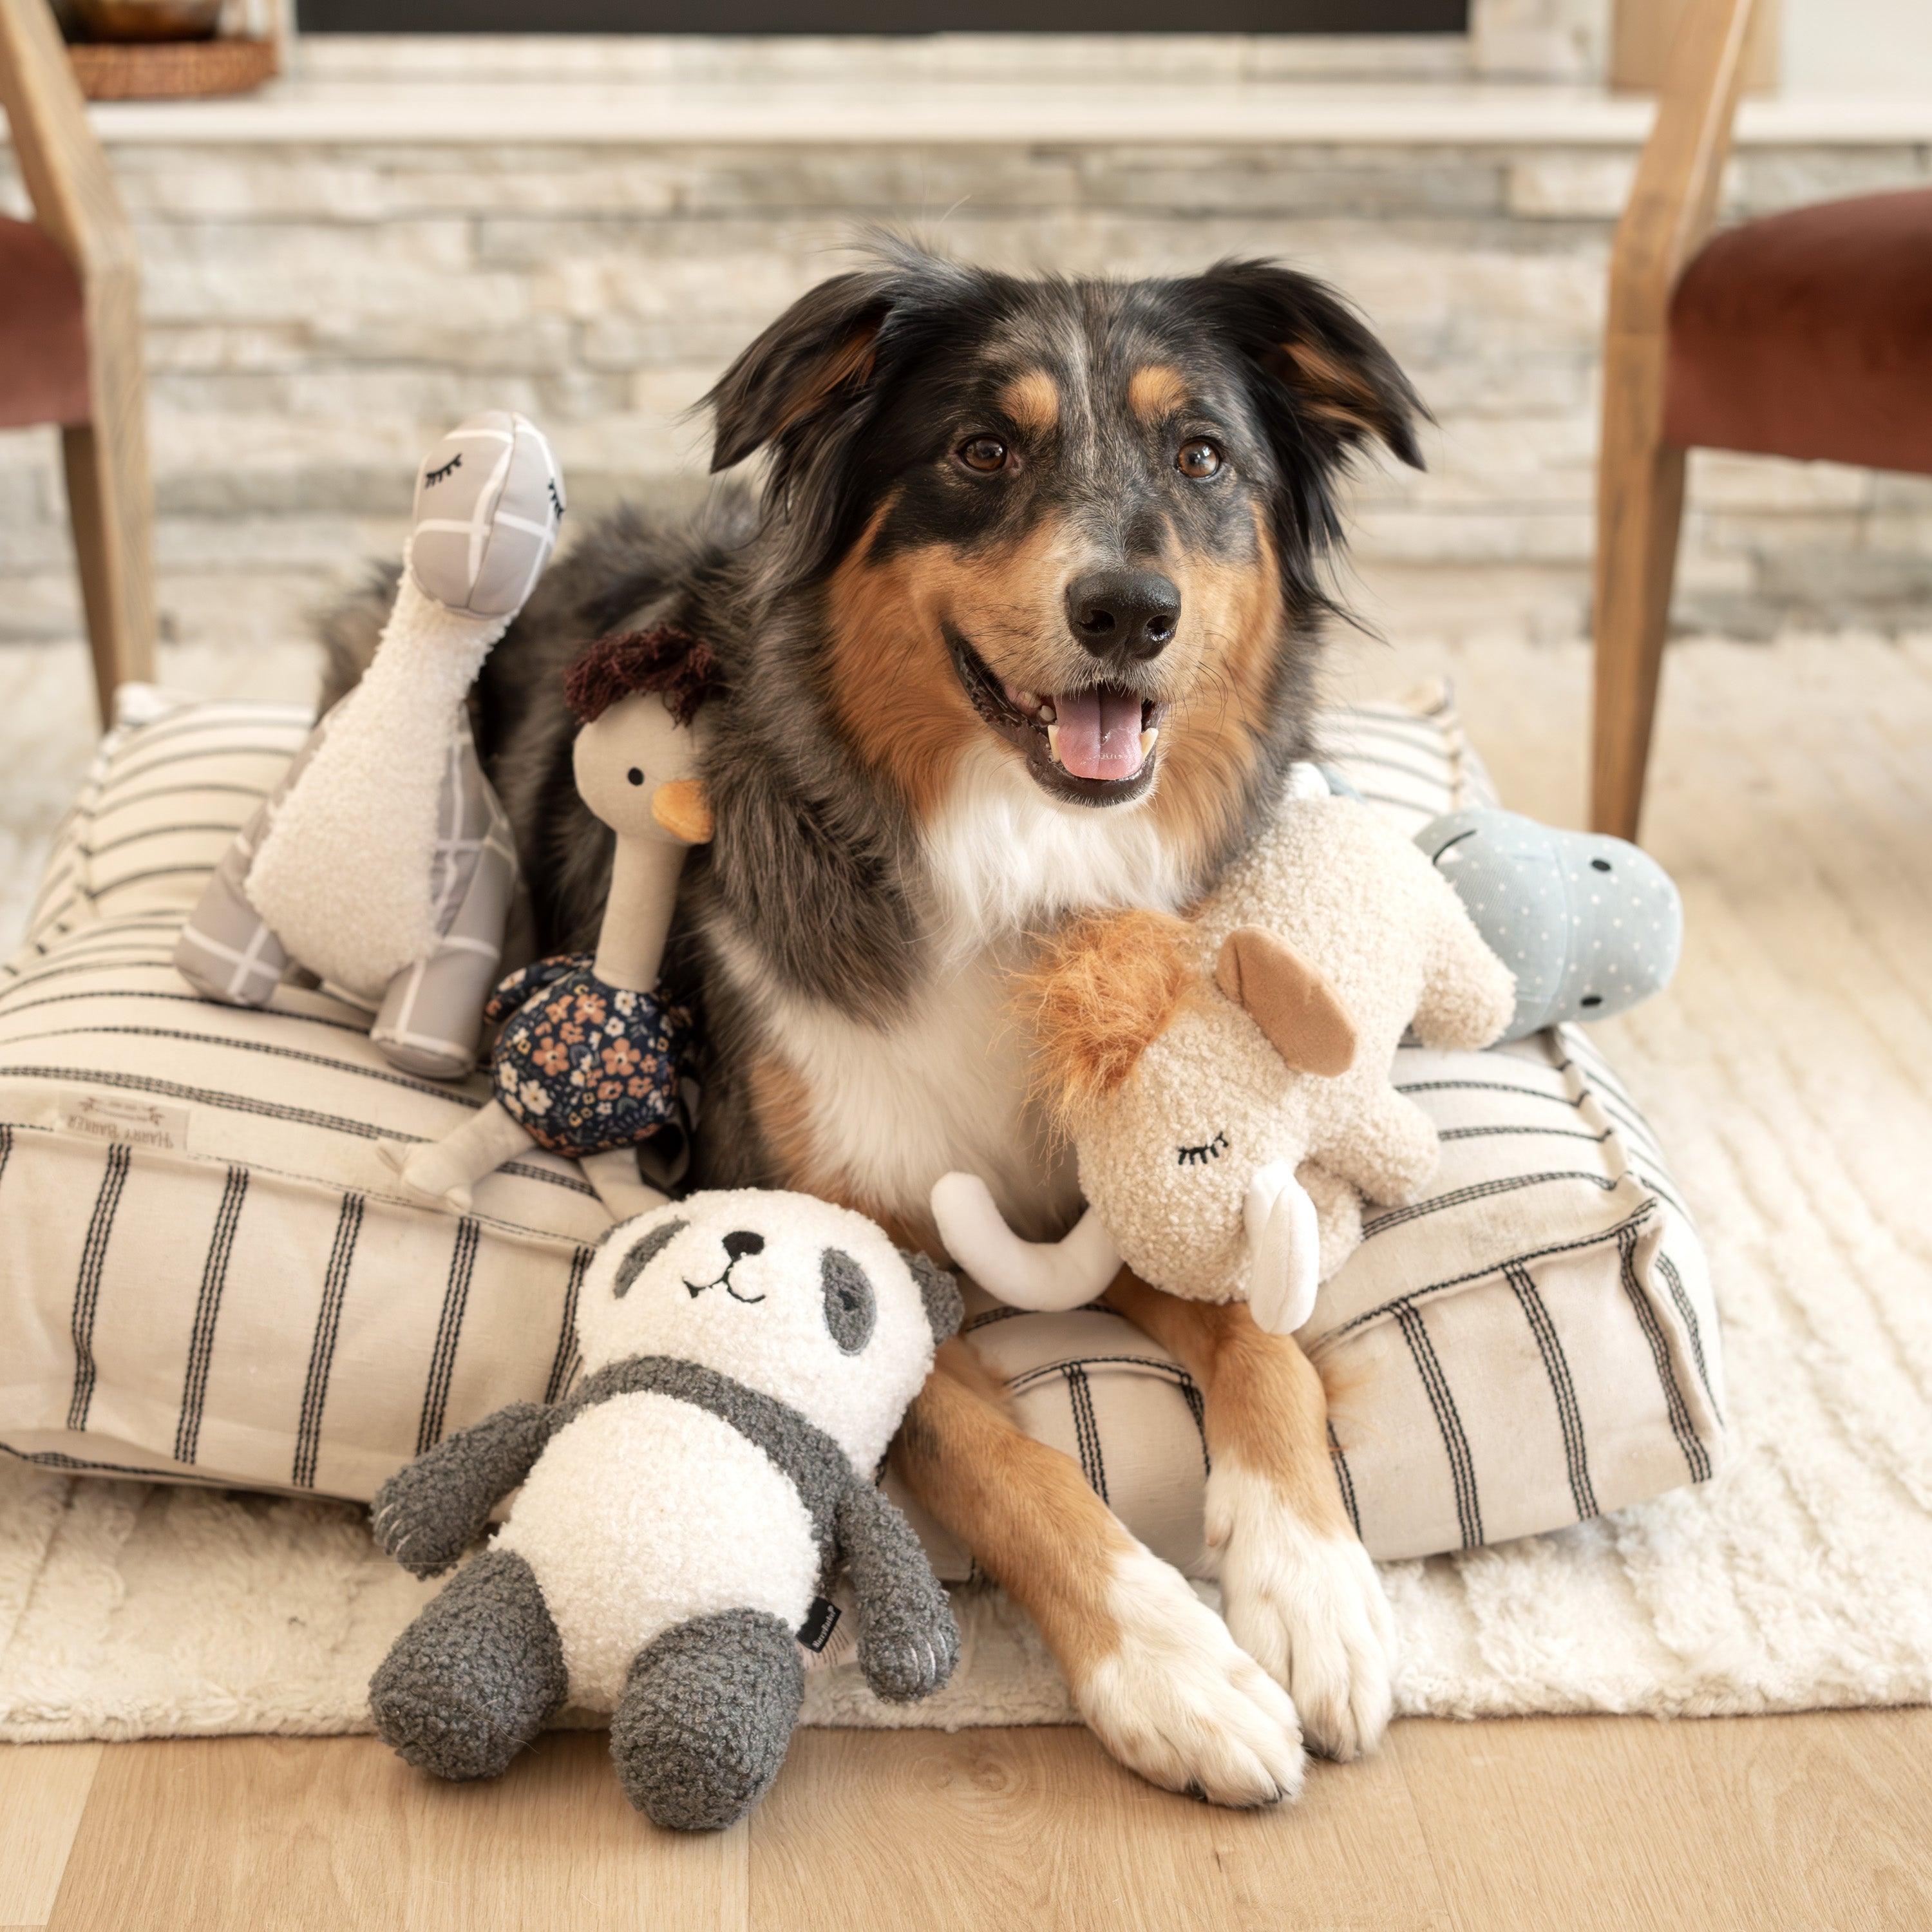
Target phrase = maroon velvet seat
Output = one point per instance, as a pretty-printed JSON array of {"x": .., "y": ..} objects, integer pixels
[
  {"x": 1809, "y": 334},
  {"x": 42, "y": 331}
]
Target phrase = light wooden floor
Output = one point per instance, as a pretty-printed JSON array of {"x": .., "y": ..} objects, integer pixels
[{"x": 1758, "y": 1824}]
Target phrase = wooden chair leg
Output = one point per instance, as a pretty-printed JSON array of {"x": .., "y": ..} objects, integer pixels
[
  {"x": 1640, "y": 509},
  {"x": 110, "y": 495}
]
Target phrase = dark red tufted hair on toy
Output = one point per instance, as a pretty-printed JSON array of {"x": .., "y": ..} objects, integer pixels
[{"x": 664, "y": 659}]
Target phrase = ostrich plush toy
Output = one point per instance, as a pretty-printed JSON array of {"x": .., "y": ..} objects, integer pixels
[
  {"x": 589, "y": 1061},
  {"x": 382, "y": 862},
  {"x": 748, "y": 1356},
  {"x": 1226, "y": 1079}
]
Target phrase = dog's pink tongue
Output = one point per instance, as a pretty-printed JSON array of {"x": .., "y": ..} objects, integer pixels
[{"x": 1099, "y": 733}]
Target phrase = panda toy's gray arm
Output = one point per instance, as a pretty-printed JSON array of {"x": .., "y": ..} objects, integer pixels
[
  {"x": 908, "y": 1642},
  {"x": 431, "y": 1511}
]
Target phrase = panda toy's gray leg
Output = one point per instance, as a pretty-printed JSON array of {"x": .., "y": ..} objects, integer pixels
[
  {"x": 472, "y": 1680},
  {"x": 706, "y": 1717}
]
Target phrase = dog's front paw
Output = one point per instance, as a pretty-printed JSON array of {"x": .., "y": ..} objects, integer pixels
[
  {"x": 1308, "y": 1606},
  {"x": 1174, "y": 1698}
]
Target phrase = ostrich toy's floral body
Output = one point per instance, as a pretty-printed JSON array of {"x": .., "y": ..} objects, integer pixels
[{"x": 582, "y": 1066}]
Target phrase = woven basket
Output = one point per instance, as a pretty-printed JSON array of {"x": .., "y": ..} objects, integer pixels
[{"x": 159, "y": 70}]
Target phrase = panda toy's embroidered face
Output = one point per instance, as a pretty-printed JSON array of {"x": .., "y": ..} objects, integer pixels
[{"x": 802, "y": 1300}]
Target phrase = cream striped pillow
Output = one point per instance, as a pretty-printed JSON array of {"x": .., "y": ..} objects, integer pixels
[{"x": 205, "y": 1274}]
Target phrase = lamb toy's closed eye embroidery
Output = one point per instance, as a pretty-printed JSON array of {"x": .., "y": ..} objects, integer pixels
[{"x": 1208, "y": 1150}]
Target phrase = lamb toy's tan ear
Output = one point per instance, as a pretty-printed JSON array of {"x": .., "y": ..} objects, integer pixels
[{"x": 1288, "y": 999}]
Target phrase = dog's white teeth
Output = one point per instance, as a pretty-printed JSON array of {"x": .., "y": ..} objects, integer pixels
[
  {"x": 1024, "y": 700},
  {"x": 1053, "y": 743},
  {"x": 1146, "y": 743},
  {"x": 1047, "y": 713}
]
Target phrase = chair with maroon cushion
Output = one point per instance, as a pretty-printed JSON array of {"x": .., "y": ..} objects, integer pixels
[
  {"x": 71, "y": 339},
  {"x": 1806, "y": 334}
]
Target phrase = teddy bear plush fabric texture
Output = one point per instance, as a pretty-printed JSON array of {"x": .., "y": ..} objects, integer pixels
[{"x": 747, "y": 1357}]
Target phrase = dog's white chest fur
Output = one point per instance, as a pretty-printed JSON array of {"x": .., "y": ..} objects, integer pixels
[{"x": 895, "y": 1104}]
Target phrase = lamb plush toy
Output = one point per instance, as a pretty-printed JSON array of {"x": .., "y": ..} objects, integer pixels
[
  {"x": 748, "y": 1356},
  {"x": 383, "y": 862},
  {"x": 1226, "y": 1079}
]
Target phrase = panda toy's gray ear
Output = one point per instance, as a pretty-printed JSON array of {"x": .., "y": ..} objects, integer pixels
[{"x": 945, "y": 1306}]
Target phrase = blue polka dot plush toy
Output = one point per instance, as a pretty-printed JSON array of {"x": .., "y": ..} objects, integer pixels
[{"x": 1589, "y": 925}]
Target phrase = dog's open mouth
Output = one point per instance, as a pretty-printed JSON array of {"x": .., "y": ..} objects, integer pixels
[{"x": 1096, "y": 745}]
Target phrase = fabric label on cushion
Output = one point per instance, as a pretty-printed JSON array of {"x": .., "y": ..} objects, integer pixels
[{"x": 132, "y": 1122}]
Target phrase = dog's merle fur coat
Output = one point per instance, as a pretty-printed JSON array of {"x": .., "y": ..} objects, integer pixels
[{"x": 821, "y": 862}]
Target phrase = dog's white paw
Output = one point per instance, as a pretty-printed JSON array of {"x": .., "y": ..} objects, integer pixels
[
  {"x": 1308, "y": 1607},
  {"x": 1177, "y": 1700}
]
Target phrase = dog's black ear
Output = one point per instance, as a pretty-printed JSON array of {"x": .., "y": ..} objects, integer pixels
[
  {"x": 818, "y": 355},
  {"x": 1343, "y": 385}
]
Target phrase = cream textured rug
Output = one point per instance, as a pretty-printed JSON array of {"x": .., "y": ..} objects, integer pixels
[{"x": 1787, "y": 1072}]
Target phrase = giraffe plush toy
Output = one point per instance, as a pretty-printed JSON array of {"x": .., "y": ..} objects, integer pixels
[{"x": 383, "y": 863}]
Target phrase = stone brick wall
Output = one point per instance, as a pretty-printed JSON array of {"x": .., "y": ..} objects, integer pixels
[{"x": 318, "y": 313}]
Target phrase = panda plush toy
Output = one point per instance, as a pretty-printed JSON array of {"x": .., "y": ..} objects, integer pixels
[{"x": 748, "y": 1356}]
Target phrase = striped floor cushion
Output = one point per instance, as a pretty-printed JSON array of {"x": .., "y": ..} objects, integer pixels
[{"x": 205, "y": 1274}]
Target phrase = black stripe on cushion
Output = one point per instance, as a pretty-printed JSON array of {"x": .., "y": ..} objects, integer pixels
[
  {"x": 1455, "y": 1443},
  {"x": 1481, "y": 1190},
  {"x": 566, "y": 1362},
  {"x": 449, "y": 1334},
  {"x": 322, "y": 1349},
  {"x": 1672, "y": 1280},
  {"x": 1696, "y": 1458},
  {"x": 87, "y": 1286},
  {"x": 207, "y": 1312},
  {"x": 1397, "y": 1303},
  {"x": 1556, "y": 1366},
  {"x": 1086, "y": 1428}
]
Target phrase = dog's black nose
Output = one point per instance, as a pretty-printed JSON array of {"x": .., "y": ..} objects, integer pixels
[
  {"x": 1123, "y": 613},
  {"x": 741, "y": 1242}
]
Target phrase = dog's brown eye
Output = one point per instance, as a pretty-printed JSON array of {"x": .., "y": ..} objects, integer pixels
[
  {"x": 1199, "y": 458},
  {"x": 983, "y": 452}
]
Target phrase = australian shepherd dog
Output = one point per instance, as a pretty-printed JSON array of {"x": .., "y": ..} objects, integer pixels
[{"x": 1023, "y": 625}]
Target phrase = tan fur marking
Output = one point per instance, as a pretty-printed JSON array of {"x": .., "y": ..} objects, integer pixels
[
  {"x": 1100, "y": 992},
  {"x": 1322, "y": 369},
  {"x": 851, "y": 361},
  {"x": 1331, "y": 390},
  {"x": 1032, "y": 402},
  {"x": 895, "y": 695},
  {"x": 1264, "y": 1407},
  {"x": 1207, "y": 740},
  {"x": 1025, "y": 1510},
  {"x": 1156, "y": 391},
  {"x": 893, "y": 685}
]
